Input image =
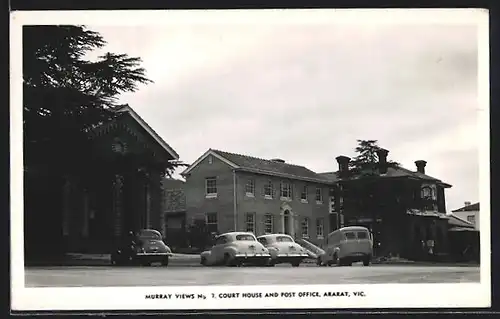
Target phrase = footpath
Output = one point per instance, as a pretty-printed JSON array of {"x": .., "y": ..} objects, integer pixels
[{"x": 193, "y": 260}]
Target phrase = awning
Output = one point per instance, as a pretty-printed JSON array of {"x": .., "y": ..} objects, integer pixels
[
  {"x": 463, "y": 229},
  {"x": 426, "y": 213}
]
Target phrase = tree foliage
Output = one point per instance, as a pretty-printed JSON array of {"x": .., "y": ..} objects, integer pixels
[
  {"x": 65, "y": 94},
  {"x": 366, "y": 163}
]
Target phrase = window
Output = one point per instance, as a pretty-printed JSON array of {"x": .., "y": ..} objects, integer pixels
[
  {"x": 303, "y": 194},
  {"x": 250, "y": 188},
  {"x": 263, "y": 241},
  {"x": 284, "y": 239},
  {"x": 286, "y": 190},
  {"x": 350, "y": 235},
  {"x": 268, "y": 224},
  {"x": 319, "y": 227},
  {"x": 471, "y": 219},
  {"x": 268, "y": 189},
  {"x": 427, "y": 192},
  {"x": 305, "y": 227},
  {"x": 221, "y": 240},
  {"x": 245, "y": 237},
  {"x": 211, "y": 220},
  {"x": 250, "y": 222},
  {"x": 211, "y": 187},
  {"x": 362, "y": 235},
  {"x": 210, "y": 159},
  {"x": 319, "y": 195}
]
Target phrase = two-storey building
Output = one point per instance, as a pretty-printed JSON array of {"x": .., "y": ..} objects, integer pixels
[
  {"x": 243, "y": 193},
  {"x": 404, "y": 209}
]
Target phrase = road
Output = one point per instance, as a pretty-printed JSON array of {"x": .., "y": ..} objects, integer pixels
[{"x": 85, "y": 276}]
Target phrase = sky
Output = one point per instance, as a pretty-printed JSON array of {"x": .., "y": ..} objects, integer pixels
[{"x": 306, "y": 92}]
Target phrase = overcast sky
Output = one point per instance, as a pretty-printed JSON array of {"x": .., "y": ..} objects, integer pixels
[{"x": 305, "y": 93}]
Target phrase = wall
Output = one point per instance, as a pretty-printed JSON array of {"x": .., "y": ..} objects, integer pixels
[
  {"x": 262, "y": 205},
  {"x": 196, "y": 203}
]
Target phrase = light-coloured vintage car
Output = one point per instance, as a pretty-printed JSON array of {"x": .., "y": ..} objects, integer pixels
[
  {"x": 283, "y": 249},
  {"x": 236, "y": 249}
]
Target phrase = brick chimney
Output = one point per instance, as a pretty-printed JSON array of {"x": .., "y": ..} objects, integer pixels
[
  {"x": 382, "y": 160},
  {"x": 343, "y": 162},
  {"x": 467, "y": 204},
  {"x": 420, "y": 166}
]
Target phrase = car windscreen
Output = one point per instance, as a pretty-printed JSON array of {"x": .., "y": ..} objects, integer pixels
[
  {"x": 245, "y": 237},
  {"x": 350, "y": 235},
  {"x": 145, "y": 234},
  {"x": 284, "y": 239},
  {"x": 362, "y": 235}
]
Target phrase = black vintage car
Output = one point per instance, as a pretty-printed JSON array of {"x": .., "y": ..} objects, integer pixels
[{"x": 142, "y": 248}]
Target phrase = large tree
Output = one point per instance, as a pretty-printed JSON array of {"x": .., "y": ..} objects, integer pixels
[
  {"x": 366, "y": 162},
  {"x": 65, "y": 93}
]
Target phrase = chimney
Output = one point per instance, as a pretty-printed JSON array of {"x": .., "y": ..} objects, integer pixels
[
  {"x": 343, "y": 165},
  {"x": 278, "y": 160},
  {"x": 420, "y": 166},
  {"x": 467, "y": 204},
  {"x": 382, "y": 160}
]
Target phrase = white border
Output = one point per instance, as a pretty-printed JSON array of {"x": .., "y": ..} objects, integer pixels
[{"x": 377, "y": 296}]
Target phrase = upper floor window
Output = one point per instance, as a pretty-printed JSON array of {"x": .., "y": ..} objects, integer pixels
[
  {"x": 250, "y": 187},
  {"x": 305, "y": 227},
  {"x": 212, "y": 223},
  {"x": 319, "y": 227},
  {"x": 268, "y": 189},
  {"x": 268, "y": 224},
  {"x": 319, "y": 195},
  {"x": 471, "y": 219},
  {"x": 250, "y": 222},
  {"x": 303, "y": 193},
  {"x": 210, "y": 159},
  {"x": 286, "y": 190},
  {"x": 428, "y": 192},
  {"x": 211, "y": 187}
]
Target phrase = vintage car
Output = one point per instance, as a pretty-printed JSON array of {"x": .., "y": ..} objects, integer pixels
[
  {"x": 142, "y": 248},
  {"x": 348, "y": 245},
  {"x": 283, "y": 249},
  {"x": 236, "y": 249}
]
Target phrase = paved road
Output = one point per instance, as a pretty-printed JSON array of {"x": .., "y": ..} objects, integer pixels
[{"x": 78, "y": 276}]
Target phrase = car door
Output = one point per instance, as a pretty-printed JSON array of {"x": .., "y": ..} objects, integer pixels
[{"x": 218, "y": 249}]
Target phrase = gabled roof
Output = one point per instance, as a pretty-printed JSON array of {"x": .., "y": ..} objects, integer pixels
[
  {"x": 391, "y": 172},
  {"x": 147, "y": 128},
  {"x": 126, "y": 109},
  {"x": 468, "y": 208},
  {"x": 261, "y": 166}
]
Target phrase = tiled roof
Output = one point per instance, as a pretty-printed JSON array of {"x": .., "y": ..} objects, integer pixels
[
  {"x": 264, "y": 166},
  {"x": 391, "y": 172},
  {"x": 468, "y": 208}
]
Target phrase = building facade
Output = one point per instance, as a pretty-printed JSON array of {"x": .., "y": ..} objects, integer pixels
[
  {"x": 120, "y": 190},
  {"x": 243, "y": 193},
  {"x": 405, "y": 210},
  {"x": 470, "y": 213}
]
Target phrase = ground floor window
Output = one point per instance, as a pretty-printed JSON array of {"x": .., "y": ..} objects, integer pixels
[
  {"x": 305, "y": 227},
  {"x": 212, "y": 223},
  {"x": 250, "y": 222},
  {"x": 268, "y": 224}
]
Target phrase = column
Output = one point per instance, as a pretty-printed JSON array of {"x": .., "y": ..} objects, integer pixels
[
  {"x": 85, "y": 226},
  {"x": 66, "y": 206},
  {"x": 117, "y": 204}
]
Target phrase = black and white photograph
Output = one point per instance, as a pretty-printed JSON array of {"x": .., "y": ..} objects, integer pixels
[{"x": 250, "y": 159}]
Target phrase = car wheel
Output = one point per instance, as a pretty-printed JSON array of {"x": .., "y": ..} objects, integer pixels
[
  {"x": 296, "y": 264},
  {"x": 337, "y": 260},
  {"x": 366, "y": 262},
  {"x": 165, "y": 262},
  {"x": 203, "y": 261},
  {"x": 319, "y": 262},
  {"x": 227, "y": 261}
]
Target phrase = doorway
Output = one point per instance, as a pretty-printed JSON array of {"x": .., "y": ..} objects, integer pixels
[{"x": 286, "y": 222}]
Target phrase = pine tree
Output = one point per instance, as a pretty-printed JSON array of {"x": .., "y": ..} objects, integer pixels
[{"x": 366, "y": 162}]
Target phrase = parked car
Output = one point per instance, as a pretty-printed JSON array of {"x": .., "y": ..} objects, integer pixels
[
  {"x": 142, "y": 248},
  {"x": 347, "y": 245},
  {"x": 283, "y": 249},
  {"x": 236, "y": 249}
]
